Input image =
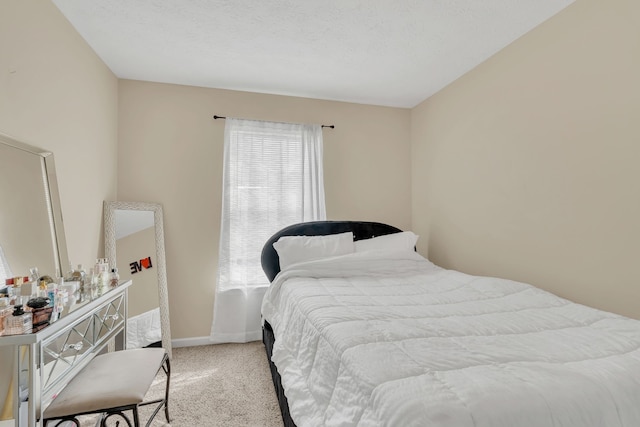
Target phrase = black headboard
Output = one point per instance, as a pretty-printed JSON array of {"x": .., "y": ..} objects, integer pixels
[{"x": 360, "y": 229}]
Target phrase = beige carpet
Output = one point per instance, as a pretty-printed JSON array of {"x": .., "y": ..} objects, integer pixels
[{"x": 217, "y": 385}]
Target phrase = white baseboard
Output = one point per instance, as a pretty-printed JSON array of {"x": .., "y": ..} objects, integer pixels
[{"x": 191, "y": 342}]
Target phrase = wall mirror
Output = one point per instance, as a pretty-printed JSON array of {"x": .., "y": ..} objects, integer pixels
[
  {"x": 134, "y": 243},
  {"x": 31, "y": 228}
]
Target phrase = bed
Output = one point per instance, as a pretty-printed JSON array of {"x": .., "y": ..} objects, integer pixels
[{"x": 380, "y": 336}]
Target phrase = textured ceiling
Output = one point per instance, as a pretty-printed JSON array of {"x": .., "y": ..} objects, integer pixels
[{"x": 381, "y": 52}]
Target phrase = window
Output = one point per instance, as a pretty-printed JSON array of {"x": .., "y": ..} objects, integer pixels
[{"x": 272, "y": 178}]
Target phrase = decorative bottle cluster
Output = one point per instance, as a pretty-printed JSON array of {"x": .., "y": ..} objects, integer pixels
[
  {"x": 30, "y": 303},
  {"x": 78, "y": 277}
]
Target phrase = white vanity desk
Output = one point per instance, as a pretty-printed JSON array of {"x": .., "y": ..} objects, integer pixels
[{"x": 45, "y": 361}]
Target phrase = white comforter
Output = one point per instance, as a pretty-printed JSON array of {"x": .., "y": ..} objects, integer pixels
[{"x": 392, "y": 340}]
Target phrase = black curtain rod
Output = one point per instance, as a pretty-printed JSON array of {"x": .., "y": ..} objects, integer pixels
[{"x": 324, "y": 126}]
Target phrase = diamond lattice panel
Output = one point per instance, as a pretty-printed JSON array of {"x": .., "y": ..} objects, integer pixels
[
  {"x": 65, "y": 350},
  {"x": 109, "y": 317}
]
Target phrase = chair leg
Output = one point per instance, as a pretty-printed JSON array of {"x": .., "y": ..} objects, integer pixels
[
  {"x": 167, "y": 371},
  {"x": 162, "y": 402}
]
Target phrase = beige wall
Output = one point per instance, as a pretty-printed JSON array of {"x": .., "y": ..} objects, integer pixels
[
  {"x": 170, "y": 151},
  {"x": 55, "y": 93},
  {"x": 528, "y": 166}
]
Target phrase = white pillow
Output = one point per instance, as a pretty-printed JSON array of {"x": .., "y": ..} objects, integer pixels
[
  {"x": 405, "y": 240},
  {"x": 295, "y": 249}
]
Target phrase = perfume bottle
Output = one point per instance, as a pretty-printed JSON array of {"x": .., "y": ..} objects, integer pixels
[
  {"x": 80, "y": 276},
  {"x": 115, "y": 278},
  {"x": 18, "y": 322},
  {"x": 102, "y": 271},
  {"x": 92, "y": 284},
  {"x": 52, "y": 293},
  {"x": 34, "y": 277},
  {"x": 5, "y": 311}
]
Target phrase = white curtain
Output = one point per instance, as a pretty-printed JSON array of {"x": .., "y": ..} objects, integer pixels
[{"x": 272, "y": 178}]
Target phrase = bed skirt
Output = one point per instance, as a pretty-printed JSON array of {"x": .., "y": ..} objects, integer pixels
[{"x": 268, "y": 339}]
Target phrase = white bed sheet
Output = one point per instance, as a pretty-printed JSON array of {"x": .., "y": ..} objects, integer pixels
[
  {"x": 144, "y": 329},
  {"x": 389, "y": 339}
]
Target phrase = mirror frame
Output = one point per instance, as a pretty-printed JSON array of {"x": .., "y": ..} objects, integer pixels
[
  {"x": 60, "y": 254},
  {"x": 110, "y": 253}
]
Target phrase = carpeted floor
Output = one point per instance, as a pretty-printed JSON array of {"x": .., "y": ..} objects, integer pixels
[{"x": 217, "y": 385}]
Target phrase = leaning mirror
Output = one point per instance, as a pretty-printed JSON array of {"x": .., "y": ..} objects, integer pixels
[
  {"x": 134, "y": 243},
  {"x": 31, "y": 229}
]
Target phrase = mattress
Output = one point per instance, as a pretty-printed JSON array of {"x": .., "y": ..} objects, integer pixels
[
  {"x": 144, "y": 329},
  {"x": 389, "y": 339}
]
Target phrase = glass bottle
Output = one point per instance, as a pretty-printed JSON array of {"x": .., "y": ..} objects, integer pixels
[
  {"x": 93, "y": 283},
  {"x": 5, "y": 311},
  {"x": 34, "y": 276},
  {"x": 69, "y": 276},
  {"x": 103, "y": 276},
  {"x": 79, "y": 276},
  {"x": 18, "y": 322},
  {"x": 103, "y": 280},
  {"x": 115, "y": 278},
  {"x": 52, "y": 293}
]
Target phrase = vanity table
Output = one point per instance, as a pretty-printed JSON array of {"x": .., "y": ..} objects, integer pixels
[{"x": 45, "y": 361}]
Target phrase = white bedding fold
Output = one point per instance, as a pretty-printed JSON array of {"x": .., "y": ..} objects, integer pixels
[
  {"x": 144, "y": 329},
  {"x": 389, "y": 339}
]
